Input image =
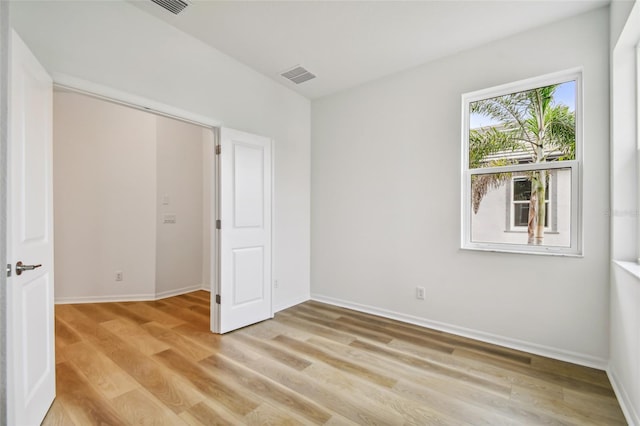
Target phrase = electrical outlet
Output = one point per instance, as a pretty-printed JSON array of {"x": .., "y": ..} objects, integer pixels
[
  {"x": 275, "y": 283},
  {"x": 420, "y": 293},
  {"x": 119, "y": 276}
]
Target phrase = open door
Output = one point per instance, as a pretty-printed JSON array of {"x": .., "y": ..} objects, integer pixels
[
  {"x": 30, "y": 306},
  {"x": 244, "y": 170}
]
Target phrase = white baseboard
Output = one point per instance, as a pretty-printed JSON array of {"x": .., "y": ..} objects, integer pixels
[
  {"x": 628, "y": 409},
  {"x": 534, "y": 348},
  {"x": 127, "y": 297},
  {"x": 178, "y": 291},
  {"x": 289, "y": 303}
]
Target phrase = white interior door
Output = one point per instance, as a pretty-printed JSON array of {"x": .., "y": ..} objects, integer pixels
[
  {"x": 30, "y": 308},
  {"x": 245, "y": 236}
]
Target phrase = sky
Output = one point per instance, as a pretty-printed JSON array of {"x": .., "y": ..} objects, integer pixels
[{"x": 565, "y": 94}]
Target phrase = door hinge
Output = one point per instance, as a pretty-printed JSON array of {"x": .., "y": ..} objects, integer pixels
[
  {"x": 218, "y": 224},
  {"x": 8, "y": 270},
  {"x": 218, "y": 149},
  {"x": 218, "y": 299}
]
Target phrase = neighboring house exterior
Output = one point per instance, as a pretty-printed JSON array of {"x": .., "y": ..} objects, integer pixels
[{"x": 503, "y": 212}]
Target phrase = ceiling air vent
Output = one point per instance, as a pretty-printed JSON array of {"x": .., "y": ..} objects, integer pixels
[
  {"x": 298, "y": 75},
  {"x": 173, "y": 6}
]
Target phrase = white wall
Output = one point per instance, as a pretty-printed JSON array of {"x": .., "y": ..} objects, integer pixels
[
  {"x": 624, "y": 365},
  {"x": 624, "y": 368},
  {"x": 180, "y": 179},
  {"x": 386, "y": 202},
  {"x": 117, "y": 45},
  {"x": 104, "y": 174}
]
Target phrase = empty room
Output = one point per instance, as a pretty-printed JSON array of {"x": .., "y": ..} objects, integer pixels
[{"x": 319, "y": 212}]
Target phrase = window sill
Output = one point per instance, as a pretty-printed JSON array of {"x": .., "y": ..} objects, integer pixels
[
  {"x": 517, "y": 231},
  {"x": 631, "y": 267},
  {"x": 524, "y": 251}
]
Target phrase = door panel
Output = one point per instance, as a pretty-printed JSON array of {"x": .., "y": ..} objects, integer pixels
[
  {"x": 245, "y": 238},
  {"x": 30, "y": 309},
  {"x": 249, "y": 186},
  {"x": 248, "y": 275}
]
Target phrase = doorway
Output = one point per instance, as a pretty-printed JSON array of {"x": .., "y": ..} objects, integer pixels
[{"x": 134, "y": 195}]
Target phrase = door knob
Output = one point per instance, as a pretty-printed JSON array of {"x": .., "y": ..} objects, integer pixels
[{"x": 20, "y": 267}]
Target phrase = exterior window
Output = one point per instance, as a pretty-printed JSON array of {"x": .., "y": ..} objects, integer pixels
[
  {"x": 521, "y": 165},
  {"x": 521, "y": 198}
]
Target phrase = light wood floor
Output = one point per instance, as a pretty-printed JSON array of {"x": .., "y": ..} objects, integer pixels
[{"x": 157, "y": 363}]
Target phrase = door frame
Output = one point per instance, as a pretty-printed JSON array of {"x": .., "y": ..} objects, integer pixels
[{"x": 5, "y": 30}]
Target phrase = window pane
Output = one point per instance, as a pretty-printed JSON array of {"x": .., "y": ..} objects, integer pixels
[
  {"x": 501, "y": 202},
  {"x": 521, "y": 214},
  {"x": 532, "y": 126},
  {"x": 521, "y": 189}
]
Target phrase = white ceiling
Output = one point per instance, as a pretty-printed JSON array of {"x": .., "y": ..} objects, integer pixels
[{"x": 347, "y": 43}]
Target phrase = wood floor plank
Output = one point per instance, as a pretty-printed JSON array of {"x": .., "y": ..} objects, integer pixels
[
  {"x": 586, "y": 374},
  {"x": 433, "y": 368},
  {"x": 131, "y": 363},
  {"x": 83, "y": 404},
  {"x": 345, "y": 404},
  {"x": 167, "y": 386},
  {"x": 136, "y": 336},
  {"x": 479, "y": 368},
  {"x": 190, "y": 420},
  {"x": 266, "y": 414},
  {"x": 177, "y": 341},
  {"x": 280, "y": 355},
  {"x": 180, "y": 312},
  {"x": 433, "y": 390},
  {"x": 381, "y": 399},
  {"x": 335, "y": 361},
  {"x": 553, "y": 406},
  {"x": 147, "y": 311},
  {"x": 267, "y": 389},
  {"x": 202, "y": 336},
  {"x": 382, "y": 330},
  {"x": 605, "y": 407},
  {"x": 437, "y": 335},
  {"x": 65, "y": 335},
  {"x": 204, "y": 295},
  {"x": 310, "y": 327},
  {"x": 193, "y": 299},
  {"x": 100, "y": 371},
  {"x": 206, "y": 414},
  {"x": 86, "y": 326},
  {"x": 58, "y": 416},
  {"x": 138, "y": 407},
  {"x": 225, "y": 392},
  {"x": 548, "y": 376},
  {"x": 120, "y": 309},
  {"x": 355, "y": 330},
  {"x": 97, "y": 311},
  {"x": 179, "y": 302}
]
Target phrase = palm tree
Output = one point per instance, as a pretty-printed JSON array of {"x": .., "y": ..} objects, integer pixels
[{"x": 532, "y": 124}]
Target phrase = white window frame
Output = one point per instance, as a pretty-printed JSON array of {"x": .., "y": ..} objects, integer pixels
[
  {"x": 575, "y": 248},
  {"x": 512, "y": 205}
]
